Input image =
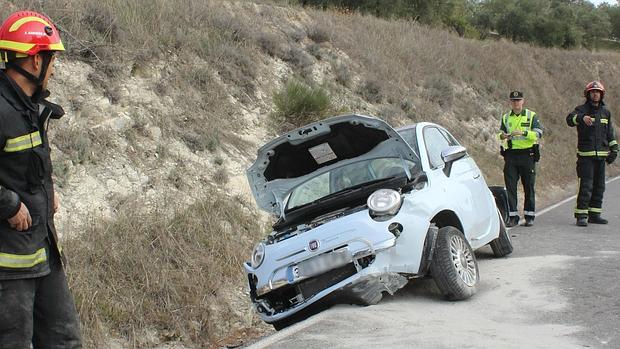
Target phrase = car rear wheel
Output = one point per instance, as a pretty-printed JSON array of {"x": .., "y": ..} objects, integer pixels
[
  {"x": 454, "y": 266},
  {"x": 502, "y": 246}
]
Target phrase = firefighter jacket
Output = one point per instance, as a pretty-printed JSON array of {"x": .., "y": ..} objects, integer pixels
[
  {"x": 596, "y": 140},
  {"x": 25, "y": 177},
  {"x": 527, "y": 121}
]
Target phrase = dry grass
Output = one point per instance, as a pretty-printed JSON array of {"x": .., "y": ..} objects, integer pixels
[{"x": 167, "y": 272}]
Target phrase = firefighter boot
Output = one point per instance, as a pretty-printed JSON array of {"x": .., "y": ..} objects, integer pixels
[
  {"x": 582, "y": 222},
  {"x": 513, "y": 221},
  {"x": 596, "y": 219}
]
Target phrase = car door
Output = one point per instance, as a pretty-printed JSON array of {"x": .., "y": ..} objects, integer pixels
[
  {"x": 484, "y": 202},
  {"x": 458, "y": 191}
]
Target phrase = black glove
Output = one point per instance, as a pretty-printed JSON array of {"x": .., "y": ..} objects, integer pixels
[
  {"x": 611, "y": 157},
  {"x": 55, "y": 111}
]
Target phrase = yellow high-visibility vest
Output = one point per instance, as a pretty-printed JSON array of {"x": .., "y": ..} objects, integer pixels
[{"x": 521, "y": 123}]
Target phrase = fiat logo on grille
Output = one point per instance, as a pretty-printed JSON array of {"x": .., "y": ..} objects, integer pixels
[{"x": 313, "y": 245}]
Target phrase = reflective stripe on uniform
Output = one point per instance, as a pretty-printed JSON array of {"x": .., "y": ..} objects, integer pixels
[
  {"x": 612, "y": 143},
  {"x": 23, "y": 142},
  {"x": 575, "y": 119},
  {"x": 513, "y": 214},
  {"x": 8, "y": 260},
  {"x": 595, "y": 210},
  {"x": 583, "y": 211},
  {"x": 604, "y": 121},
  {"x": 592, "y": 153},
  {"x": 529, "y": 213},
  {"x": 538, "y": 131}
]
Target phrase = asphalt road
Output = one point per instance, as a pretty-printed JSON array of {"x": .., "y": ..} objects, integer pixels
[{"x": 559, "y": 289}]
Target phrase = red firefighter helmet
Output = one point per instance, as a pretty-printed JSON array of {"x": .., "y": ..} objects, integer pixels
[
  {"x": 594, "y": 85},
  {"x": 26, "y": 33}
]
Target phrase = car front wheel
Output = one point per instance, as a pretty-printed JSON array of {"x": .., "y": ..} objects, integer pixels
[{"x": 454, "y": 266}]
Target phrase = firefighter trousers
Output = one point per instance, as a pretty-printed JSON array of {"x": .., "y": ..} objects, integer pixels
[
  {"x": 39, "y": 311},
  {"x": 591, "y": 173},
  {"x": 520, "y": 166}
]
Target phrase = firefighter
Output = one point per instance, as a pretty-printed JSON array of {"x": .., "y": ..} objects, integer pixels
[
  {"x": 519, "y": 132},
  {"x": 37, "y": 307},
  {"x": 596, "y": 144}
]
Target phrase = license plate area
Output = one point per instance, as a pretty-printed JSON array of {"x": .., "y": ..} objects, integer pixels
[{"x": 321, "y": 264}]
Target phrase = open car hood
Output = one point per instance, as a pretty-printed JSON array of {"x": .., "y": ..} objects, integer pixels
[{"x": 291, "y": 159}]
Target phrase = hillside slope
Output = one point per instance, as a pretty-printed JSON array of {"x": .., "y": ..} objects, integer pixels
[
  {"x": 167, "y": 128},
  {"x": 150, "y": 158}
]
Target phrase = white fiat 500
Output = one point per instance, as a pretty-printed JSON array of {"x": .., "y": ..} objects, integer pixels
[{"x": 362, "y": 209}]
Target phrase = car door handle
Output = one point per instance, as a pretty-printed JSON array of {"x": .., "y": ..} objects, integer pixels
[{"x": 477, "y": 175}]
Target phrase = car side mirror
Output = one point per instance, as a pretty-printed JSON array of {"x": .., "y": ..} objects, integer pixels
[{"x": 450, "y": 155}]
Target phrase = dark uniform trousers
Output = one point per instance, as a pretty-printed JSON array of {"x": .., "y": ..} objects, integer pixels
[
  {"x": 591, "y": 173},
  {"x": 41, "y": 306},
  {"x": 520, "y": 165}
]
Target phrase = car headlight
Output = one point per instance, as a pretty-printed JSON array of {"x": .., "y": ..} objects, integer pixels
[
  {"x": 384, "y": 202},
  {"x": 258, "y": 256}
]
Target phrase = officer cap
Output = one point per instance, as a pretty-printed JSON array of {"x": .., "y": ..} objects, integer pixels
[{"x": 515, "y": 95}]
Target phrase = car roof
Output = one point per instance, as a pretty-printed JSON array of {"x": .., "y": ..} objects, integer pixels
[{"x": 414, "y": 125}]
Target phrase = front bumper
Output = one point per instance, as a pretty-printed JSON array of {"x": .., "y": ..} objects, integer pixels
[{"x": 364, "y": 286}]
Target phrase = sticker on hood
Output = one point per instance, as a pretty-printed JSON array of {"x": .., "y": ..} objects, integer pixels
[{"x": 322, "y": 153}]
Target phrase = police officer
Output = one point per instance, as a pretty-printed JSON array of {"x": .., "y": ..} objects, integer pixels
[
  {"x": 596, "y": 144},
  {"x": 37, "y": 310},
  {"x": 520, "y": 131}
]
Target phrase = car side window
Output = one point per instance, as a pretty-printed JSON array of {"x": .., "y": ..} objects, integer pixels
[
  {"x": 435, "y": 142},
  {"x": 450, "y": 138}
]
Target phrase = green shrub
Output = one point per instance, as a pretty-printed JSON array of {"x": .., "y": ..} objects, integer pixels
[{"x": 298, "y": 104}]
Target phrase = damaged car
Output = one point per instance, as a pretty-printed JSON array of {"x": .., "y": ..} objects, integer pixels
[{"x": 362, "y": 209}]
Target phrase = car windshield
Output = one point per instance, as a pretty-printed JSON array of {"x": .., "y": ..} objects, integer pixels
[{"x": 350, "y": 175}]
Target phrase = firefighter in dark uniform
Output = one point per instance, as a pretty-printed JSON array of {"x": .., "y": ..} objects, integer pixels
[
  {"x": 520, "y": 131},
  {"x": 596, "y": 144},
  {"x": 36, "y": 307}
]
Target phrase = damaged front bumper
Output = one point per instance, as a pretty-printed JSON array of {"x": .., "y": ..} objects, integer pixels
[{"x": 362, "y": 287}]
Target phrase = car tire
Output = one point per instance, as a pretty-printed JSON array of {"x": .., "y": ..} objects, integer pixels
[
  {"x": 454, "y": 266},
  {"x": 502, "y": 246}
]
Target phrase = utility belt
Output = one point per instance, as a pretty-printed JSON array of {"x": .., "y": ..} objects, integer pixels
[{"x": 533, "y": 152}]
